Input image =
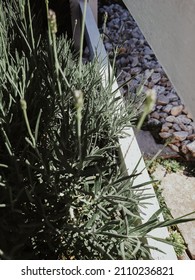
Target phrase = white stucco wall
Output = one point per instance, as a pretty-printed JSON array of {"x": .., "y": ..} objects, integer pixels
[{"x": 169, "y": 28}]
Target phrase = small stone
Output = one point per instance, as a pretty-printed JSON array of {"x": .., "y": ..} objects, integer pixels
[
  {"x": 171, "y": 119},
  {"x": 153, "y": 122},
  {"x": 159, "y": 69},
  {"x": 176, "y": 127},
  {"x": 150, "y": 84},
  {"x": 175, "y": 103},
  {"x": 183, "y": 126},
  {"x": 148, "y": 51},
  {"x": 191, "y": 137},
  {"x": 169, "y": 124},
  {"x": 189, "y": 116},
  {"x": 190, "y": 132},
  {"x": 189, "y": 128},
  {"x": 185, "y": 110},
  {"x": 124, "y": 61},
  {"x": 164, "y": 128},
  {"x": 185, "y": 142},
  {"x": 156, "y": 77},
  {"x": 108, "y": 46},
  {"x": 174, "y": 141},
  {"x": 169, "y": 84},
  {"x": 117, "y": 66},
  {"x": 184, "y": 149},
  {"x": 128, "y": 77},
  {"x": 193, "y": 125},
  {"x": 159, "y": 89},
  {"x": 183, "y": 119},
  {"x": 178, "y": 144},
  {"x": 180, "y": 135},
  {"x": 162, "y": 120},
  {"x": 165, "y": 135},
  {"x": 147, "y": 73},
  {"x": 148, "y": 57},
  {"x": 136, "y": 34},
  {"x": 136, "y": 70},
  {"x": 162, "y": 100},
  {"x": 175, "y": 111},
  {"x": 172, "y": 96},
  {"x": 191, "y": 147},
  {"x": 163, "y": 115},
  {"x": 167, "y": 109},
  {"x": 132, "y": 41},
  {"x": 174, "y": 148},
  {"x": 139, "y": 78},
  {"x": 135, "y": 61},
  {"x": 127, "y": 69},
  {"x": 164, "y": 79},
  {"x": 155, "y": 115},
  {"x": 141, "y": 41}
]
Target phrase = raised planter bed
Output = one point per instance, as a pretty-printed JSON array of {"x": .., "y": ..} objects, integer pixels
[
  {"x": 130, "y": 152},
  {"x": 65, "y": 193}
]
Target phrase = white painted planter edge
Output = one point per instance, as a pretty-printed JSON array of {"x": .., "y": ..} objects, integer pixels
[{"x": 129, "y": 147}]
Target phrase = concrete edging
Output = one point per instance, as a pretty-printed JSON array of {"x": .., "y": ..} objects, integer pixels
[{"x": 130, "y": 151}]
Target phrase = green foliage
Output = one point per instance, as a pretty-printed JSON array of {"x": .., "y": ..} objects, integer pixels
[
  {"x": 171, "y": 165},
  {"x": 166, "y": 211},
  {"x": 151, "y": 165},
  {"x": 62, "y": 192},
  {"x": 178, "y": 242}
]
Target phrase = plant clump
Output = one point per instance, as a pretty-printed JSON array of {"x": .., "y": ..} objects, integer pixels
[{"x": 62, "y": 193}]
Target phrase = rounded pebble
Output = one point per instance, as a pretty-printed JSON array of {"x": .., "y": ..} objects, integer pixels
[{"x": 175, "y": 111}]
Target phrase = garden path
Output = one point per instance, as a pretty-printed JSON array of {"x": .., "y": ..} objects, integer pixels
[{"x": 178, "y": 188}]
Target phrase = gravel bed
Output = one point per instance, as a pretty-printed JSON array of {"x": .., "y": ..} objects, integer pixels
[{"x": 170, "y": 118}]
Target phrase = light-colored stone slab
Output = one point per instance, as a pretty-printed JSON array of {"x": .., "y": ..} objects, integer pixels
[
  {"x": 179, "y": 194},
  {"x": 159, "y": 173}
]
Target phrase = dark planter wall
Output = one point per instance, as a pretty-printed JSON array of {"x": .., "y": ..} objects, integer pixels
[{"x": 62, "y": 10}]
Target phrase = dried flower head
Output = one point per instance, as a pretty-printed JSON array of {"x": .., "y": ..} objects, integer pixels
[
  {"x": 23, "y": 104},
  {"x": 52, "y": 21},
  {"x": 150, "y": 100},
  {"x": 148, "y": 106},
  {"x": 79, "y": 99}
]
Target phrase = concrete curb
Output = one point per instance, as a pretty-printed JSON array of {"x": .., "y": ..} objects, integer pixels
[{"x": 130, "y": 151}]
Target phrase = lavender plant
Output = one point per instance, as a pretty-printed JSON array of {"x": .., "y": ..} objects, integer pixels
[{"x": 63, "y": 194}]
